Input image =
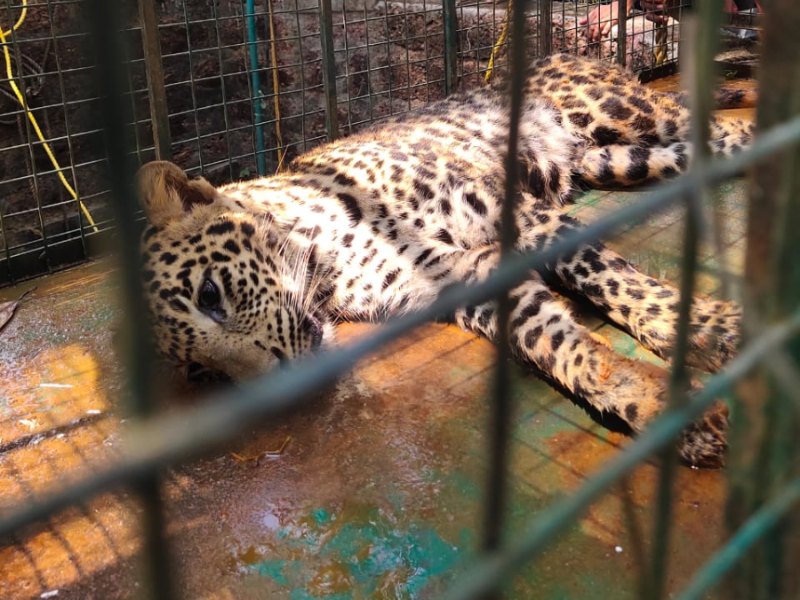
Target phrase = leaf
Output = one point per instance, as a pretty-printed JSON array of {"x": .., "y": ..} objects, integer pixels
[{"x": 7, "y": 309}]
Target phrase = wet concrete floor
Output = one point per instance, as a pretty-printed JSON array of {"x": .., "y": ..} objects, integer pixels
[{"x": 377, "y": 492}]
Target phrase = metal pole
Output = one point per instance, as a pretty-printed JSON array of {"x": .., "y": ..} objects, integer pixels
[
  {"x": 258, "y": 121},
  {"x": 545, "y": 26},
  {"x": 159, "y": 113},
  {"x": 450, "y": 46},
  {"x": 772, "y": 283},
  {"x": 105, "y": 26},
  {"x": 622, "y": 33}
]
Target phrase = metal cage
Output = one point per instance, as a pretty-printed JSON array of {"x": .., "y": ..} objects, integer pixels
[{"x": 335, "y": 92}]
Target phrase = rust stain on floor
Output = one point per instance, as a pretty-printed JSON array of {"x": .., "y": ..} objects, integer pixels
[{"x": 377, "y": 493}]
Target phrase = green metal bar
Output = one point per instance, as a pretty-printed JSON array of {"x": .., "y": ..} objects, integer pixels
[
  {"x": 703, "y": 34},
  {"x": 105, "y": 25},
  {"x": 172, "y": 438},
  {"x": 500, "y": 425},
  {"x": 762, "y": 521},
  {"x": 450, "y": 46},
  {"x": 159, "y": 112},
  {"x": 255, "y": 76},
  {"x": 328, "y": 70},
  {"x": 772, "y": 283}
]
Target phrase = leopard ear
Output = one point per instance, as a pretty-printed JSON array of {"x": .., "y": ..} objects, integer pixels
[{"x": 166, "y": 193}]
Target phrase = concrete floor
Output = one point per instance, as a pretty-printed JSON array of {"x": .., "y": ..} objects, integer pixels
[{"x": 377, "y": 493}]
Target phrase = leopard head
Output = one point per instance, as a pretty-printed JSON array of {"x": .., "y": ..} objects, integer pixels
[{"x": 225, "y": 288}]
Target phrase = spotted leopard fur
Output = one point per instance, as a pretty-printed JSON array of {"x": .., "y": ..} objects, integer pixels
[{"x": 380, "y": 223}]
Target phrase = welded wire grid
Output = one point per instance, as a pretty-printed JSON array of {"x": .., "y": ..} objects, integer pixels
[
  {"x": 156, "y": 444},
  {"x": 245, "y": 86},
  {"x": 42, "y": 225}
]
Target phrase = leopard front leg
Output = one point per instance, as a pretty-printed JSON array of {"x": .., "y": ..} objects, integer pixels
[
  {"x": 543, "y": 333},
  {"x": 644, "y": 306}
]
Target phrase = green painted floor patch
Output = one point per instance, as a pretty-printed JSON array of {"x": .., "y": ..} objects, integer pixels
[
  {"x": 366, "y": 552},
  {"x": 272, "y": 569},
  {"x": 321, "y": 516}
]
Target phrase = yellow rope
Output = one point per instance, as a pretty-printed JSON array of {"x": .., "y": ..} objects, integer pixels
[
  {"x": 31, "y": 118},
  {"x": 500, "y": 41}
]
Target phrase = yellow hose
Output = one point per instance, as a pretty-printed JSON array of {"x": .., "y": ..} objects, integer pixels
[
  {"x": 31, "y": 118},
  {"x": 500, "y": 41}
]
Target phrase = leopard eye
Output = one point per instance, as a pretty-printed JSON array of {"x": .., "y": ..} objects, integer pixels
[{"x": 209, "y": 298}]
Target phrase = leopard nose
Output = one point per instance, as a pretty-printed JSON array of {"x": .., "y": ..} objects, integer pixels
[{"x": 314, "y": 329}]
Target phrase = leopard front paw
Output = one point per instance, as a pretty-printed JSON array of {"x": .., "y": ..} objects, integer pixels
[
  {"x": 703, "y": 442},
  {"x": 716, "y": 333}
]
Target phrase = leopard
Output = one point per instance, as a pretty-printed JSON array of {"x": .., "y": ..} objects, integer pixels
[{"x": 244, "y": 277}]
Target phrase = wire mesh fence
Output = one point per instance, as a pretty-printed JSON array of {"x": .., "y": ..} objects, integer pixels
[
  {"x": 218, "y": 133},
  {"x": 233, "y": 89}
]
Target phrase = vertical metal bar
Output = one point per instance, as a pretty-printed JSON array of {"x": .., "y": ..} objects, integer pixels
[
  {"x": 772, "y": 279},
  {"x": 450, "y": 22},
  {"x": 328, "y": 69},
  {"x": 250, "y": 93},
  {"x": 159, "y": 113},
  {"x": 698, "y": 77},
  {"x": 258, "y": 120},
  {"x": 622, "y": 33},
  {"x": 494, "y": 516},
  {"x": 104, "y": 20},
  {"x": 545, "y": 26}
]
